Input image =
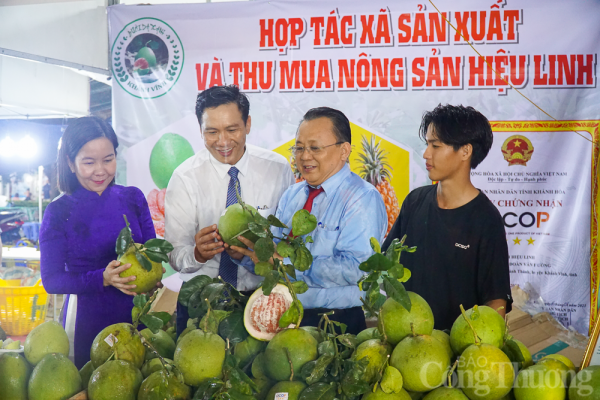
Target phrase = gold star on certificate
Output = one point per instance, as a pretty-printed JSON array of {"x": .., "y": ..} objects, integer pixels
[
  {"x": 517, "y": 143},
  {"x": 530, "y": 240},
  {"x": 517, "y": 241}
]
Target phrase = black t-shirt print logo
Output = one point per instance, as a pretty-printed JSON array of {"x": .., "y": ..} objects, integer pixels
[{"x": 462, "y": 246}]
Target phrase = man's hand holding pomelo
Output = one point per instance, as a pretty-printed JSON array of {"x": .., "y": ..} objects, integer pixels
[
  {"x": 112, "y": 278},
  {"x": 206, "y": 246},
  {"x": 249, "y": 251}
]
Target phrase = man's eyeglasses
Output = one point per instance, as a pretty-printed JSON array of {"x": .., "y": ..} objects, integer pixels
[{"x": 314, "y": 150}]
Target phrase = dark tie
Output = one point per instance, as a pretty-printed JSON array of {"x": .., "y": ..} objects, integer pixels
[
  {"x": 312, "y": 193},
  {"x": 228, "y": 269}
]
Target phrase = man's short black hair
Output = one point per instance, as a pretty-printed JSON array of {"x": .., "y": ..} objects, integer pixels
[
  {"x": 457, "y": 126},
  {"x": 341, "y": 125},
  {"x": 217, "y": 96}
]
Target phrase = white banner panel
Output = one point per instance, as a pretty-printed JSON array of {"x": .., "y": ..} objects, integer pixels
[{"x": 384, "y": 64}]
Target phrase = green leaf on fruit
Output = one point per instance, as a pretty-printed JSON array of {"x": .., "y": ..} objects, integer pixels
[
  {"x": 257, "y": 229},
  {"x": 271, "y": 280},
  {"x": 396, "y": 291},
  {"x": 309, "y": 239},
  {"x": 290, "y": 270},
  {"x": 153, "y": 323},
  {"x": 300, "y": 287},
  {"x": 144, "y": 262},
  {"x": 156, "y": 257},
  {"x": 165, "y": 317},
  {"x": 319, "y": 369},
  {"x": 263, "y": 268},
  {"x": 159, "y": 246},
  {"x": 326, "y": 348},
  {"x": 273, "y": 220},
  {"x": 211, "y": 321},
  {"x": 375, "y": 245},
  {"x": 348, "y": 340},
  {"x": 406, "y": 276},
  {"x": 284, "y": 249},
  {"x": 319, "y": 391},
  {"x": 232, "y": 327},
  {"x": 140, "y": 300},
  {"x": 188, "y": 288},
  {"x": 288, "y": 317},
  {"x": 135, "y": 313},
  {"x": 303, "y": 222},
  {"x": 303, "y": 259},
  {"x": 264, "y": 249}
]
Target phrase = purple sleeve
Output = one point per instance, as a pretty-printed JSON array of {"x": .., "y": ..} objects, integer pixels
[
  {"x": 144, "y": 217},
  {"x": 54, "y": 252}
]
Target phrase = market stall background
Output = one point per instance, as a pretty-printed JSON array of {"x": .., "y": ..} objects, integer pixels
[{"x": 384, "y": 64}]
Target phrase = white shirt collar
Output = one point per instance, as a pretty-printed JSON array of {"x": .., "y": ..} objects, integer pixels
[{"x": 223, "y": 169}]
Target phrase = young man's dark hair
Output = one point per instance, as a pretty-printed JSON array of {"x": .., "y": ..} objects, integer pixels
[
  {"x": 457, "y": 126},
  {"x": 78, "y": 133},
  {"x": 341, "y": 125},
  {"x": 217, "y": 96}
]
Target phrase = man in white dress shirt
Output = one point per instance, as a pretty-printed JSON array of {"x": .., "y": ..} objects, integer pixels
[{"x": 204, "y": 185}]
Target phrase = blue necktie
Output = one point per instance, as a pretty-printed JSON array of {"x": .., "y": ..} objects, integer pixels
[{"x": 228, "y": 269}]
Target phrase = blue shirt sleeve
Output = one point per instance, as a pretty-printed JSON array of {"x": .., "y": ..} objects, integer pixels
[{"x": 350, "y": 245}]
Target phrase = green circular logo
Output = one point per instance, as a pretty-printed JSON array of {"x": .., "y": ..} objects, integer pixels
[{"x": 147, "y": 58}]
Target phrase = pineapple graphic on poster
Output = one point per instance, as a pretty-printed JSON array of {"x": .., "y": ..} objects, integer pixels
[{"x": 378, "y": 160}]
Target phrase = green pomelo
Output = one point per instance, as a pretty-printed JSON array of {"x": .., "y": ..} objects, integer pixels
[
  {"x": 161, "y": 341},
  {"x": 319, "y": 335},
  {"x": 444, "y": 338},
  {"x": 259, "y": 370},
  {"x": 397, "y": 321},
  {"x": 301, "y": 347},
  {"x": 246, "y": 350},
  {"x": 10, "y": 344},
  {"x": 127, "y": 347},
  {"x": 144, "y": 280},
  {"x": 377, "y": 354},
  {"x": 86, "y": 372},
  {"x": 527, "y": 362},
  {"x": 369, "y": 333},
  {"x": 586, "y": 384},
  {"x": 167, "y": 154},
  {"x": 199, "y": 356},
  {"x": 153, "y": 365},
  {"x": 446, "y": 393},
  {"x": 539, "y": 382},
  {"x": 161, "y": 386},
  {"x": 293, "y": 390},
  {"x": 486, "y": 321},
  {"x": 416, "y": 395},
  {"x": 559, "y": 357},
  {"x": 234, "y": 221},
  {"x": 54, "y": 378},
  {"x": 381, "y": 395},
  {"x": 115, "y": 380},
  {"x": 263, "y": 385},
  {"x": 565, "y": 373},
  {"x": 485, "y": 372},
  {"x": 392, "y": 380},
  {"x": 423, "y": 362},
  {"x": 147, "y": 54},
  {"x": 14, "y": 376},
  {"x": 262, "y": 313},
  {"x": 185, "y": 332},
  {"x": 49, "y": 337},
  {"x": 172, "y": 332}
]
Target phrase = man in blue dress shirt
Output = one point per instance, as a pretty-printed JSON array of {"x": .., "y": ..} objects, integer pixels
[{"x": 349, "y": 212}]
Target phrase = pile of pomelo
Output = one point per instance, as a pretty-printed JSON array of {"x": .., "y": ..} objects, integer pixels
[{"x": 403, "y": 358}]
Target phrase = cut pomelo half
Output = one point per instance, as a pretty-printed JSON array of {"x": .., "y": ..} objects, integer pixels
[
  {"x": 141, "y": 63},
  {"x": 262, "y": 313}
]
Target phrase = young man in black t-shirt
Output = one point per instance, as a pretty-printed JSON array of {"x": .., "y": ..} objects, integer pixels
[{"x": 462, "y": 255}]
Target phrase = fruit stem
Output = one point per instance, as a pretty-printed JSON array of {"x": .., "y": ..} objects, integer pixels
[
  {"x": 206, "y": 317},
  {"x": 145, "y": 309},
  {"x": 464, "y": 314},
  {"x": 412, "y": 329},
  {"x": 451, "y": 372},
  {"x": 152, "y": 349},
  {"x": 287, "y": 353},
  {"x": 289, "y": 285},
  {"x": 382, "y": 330}
]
